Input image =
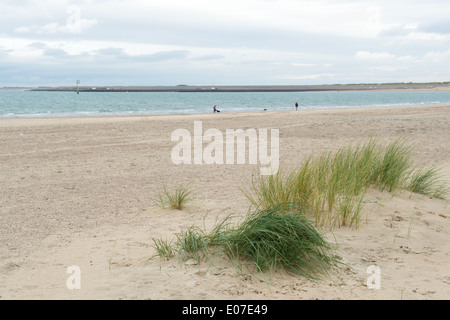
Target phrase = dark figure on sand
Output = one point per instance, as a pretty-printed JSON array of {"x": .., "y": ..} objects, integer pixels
[
  {"x": 296, "y": 106},
  {"x": 215, "y": 109}
]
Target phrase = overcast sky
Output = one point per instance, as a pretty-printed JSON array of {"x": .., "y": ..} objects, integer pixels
[{"x": 220, "y": 42}]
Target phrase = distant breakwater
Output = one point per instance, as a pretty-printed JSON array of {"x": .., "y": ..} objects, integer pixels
[{"x": 211, "y": 88}]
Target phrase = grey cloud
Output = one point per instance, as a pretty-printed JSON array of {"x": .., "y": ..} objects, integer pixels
[
  {"x": 209, "y": 57},
  {"x": 55, "y": 52},
  {"x": 396, "y": 31},
  {"x": 38, "y": 45},
  {"x": 441, "y": 27},
  {"x": 115, "y": 52},
  {"x": 120, "y": 54},
  {"x": 166, "y": 55},
  {"x": 4, "y": 50}
]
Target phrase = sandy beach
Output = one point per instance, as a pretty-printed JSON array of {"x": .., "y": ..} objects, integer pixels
[{"x": 81, "y": 192}]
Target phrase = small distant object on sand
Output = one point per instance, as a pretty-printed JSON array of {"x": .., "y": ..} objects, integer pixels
[{"x": 215, "y": 109}]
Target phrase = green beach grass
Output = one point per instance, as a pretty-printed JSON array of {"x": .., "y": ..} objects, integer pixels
[
  {"x": 174, "y": 197},
  {"x": 281, "y": 231},
  {"x": 331, "y": 187},
  {"x": 277, "y": 239},
  {"x": 269, "y": 240}
]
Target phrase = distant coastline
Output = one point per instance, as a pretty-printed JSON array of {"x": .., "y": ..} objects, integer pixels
[
  {"x": 16, "y": 89},
  {"x": 264, "y": 88}
]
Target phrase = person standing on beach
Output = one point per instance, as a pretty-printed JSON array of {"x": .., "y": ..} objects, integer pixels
[
  {"x": 296, "y": 106},
  {"x": 214, "y": 109}
]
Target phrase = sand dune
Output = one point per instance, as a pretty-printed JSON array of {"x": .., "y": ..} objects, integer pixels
[{"x": 81, "y": 191}]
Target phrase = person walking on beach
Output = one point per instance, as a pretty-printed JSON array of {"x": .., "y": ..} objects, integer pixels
[
  {"x": 215, "y": 110},
  {"x": 296, "y": 106}
]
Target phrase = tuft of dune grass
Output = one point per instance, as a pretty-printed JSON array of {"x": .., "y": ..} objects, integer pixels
[
  {"x": 277, "y": 239},
  {"x": 269, "y": 240},
  {"x": 174, "y": 197},
  {"x": 427, "y": 181},
  {"x": 332, "y": 186}
]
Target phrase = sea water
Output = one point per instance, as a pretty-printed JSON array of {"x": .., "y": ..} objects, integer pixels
[{"x": 15, "y": 104}]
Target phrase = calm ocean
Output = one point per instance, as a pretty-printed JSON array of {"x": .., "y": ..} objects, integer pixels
[{"x": 58, "y": 104}]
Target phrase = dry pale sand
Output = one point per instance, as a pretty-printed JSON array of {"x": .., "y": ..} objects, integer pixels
[{"x": 81, "y": 191}]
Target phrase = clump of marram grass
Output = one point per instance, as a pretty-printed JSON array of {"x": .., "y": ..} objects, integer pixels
[
  {"x": 192, "y": 243},
  {"x": 164, "y": 249},
  {"x": 428, "y": 181},
  {"x": 274, "y": 239},
  {"x": 269, "y": 190},
  {"x": 174, "y": 197},
  {"x": 269, "y": 240},
  {"x": 394, "y": 164},
  {"x": 332, "y": 186}
]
